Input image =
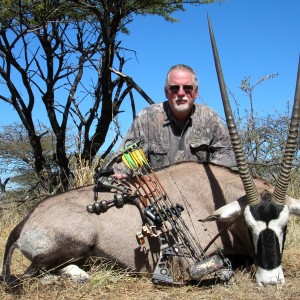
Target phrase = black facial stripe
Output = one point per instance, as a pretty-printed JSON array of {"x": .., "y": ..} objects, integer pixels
[
  {"x": 268, "y": 249},
  {"x": 266, "y": 211}
]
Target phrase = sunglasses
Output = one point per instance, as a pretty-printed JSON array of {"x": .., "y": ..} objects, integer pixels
[{"x": 175, "y": 88}]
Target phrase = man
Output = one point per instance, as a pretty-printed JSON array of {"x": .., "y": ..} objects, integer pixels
[{"x": 178, "y": 129}]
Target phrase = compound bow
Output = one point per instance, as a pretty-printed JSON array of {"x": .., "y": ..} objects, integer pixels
[{"x": 162, "y": 219}]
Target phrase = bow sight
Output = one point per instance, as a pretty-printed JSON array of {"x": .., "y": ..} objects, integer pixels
[{"x": 161, "y": 218}]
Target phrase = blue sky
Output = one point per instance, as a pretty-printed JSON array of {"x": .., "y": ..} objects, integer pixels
[{"x": 255, "y": 38}]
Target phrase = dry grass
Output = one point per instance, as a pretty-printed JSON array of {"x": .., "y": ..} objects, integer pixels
[
  {"x": 109, "y": 284},
  {"x": 83, "y": 171}
]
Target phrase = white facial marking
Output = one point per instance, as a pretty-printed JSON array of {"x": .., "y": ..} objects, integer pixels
[
  {"x": 278, "y": 225},
  {"x": 256, "y": 227},
  {"x": 274, "y": 276},
  {"x": 264, "y": 277}
]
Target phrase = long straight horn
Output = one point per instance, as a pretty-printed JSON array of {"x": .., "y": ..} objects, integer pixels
[
  {"x": 290, "y": 148},
  {"x": 251, "y": 192}
]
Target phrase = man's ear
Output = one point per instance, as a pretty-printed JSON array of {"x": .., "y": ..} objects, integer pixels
[
  {"x": 196, "y": 92},
  {"x": 166, "y": 92}
]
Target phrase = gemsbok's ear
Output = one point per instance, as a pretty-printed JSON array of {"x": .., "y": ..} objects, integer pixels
[
  {"x": 229, "y": 212},
  {"x": 294, "y": 205}
]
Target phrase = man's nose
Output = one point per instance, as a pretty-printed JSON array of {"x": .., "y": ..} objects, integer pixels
[{"x": 181, "y": 90}]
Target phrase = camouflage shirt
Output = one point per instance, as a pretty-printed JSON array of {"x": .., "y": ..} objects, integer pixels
[{"x": 203, "y": 138}]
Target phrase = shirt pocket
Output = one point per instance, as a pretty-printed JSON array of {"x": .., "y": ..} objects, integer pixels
[
  {"x": 158, "y": 154},
  {"x": 201, "y": 137},
  {"x": 200, "y": 148},
  {"x": 200, "y": 143}
]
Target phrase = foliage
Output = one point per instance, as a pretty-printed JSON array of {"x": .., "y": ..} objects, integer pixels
[
  {"x": 15, "y": 151},
  {"x": 264, "y": 137},
  {"x": 16, "y": 158},
  {"x": 63, "y": 61}
]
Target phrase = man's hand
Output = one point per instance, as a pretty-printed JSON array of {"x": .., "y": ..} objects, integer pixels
[{"x": 119, "y": 176}]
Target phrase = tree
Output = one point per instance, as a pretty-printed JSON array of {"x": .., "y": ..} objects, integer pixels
[
  {"x": 17, "y": 157},
  {"x": 263, "y": 137},
  {"x": 65, "y": 57}
]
